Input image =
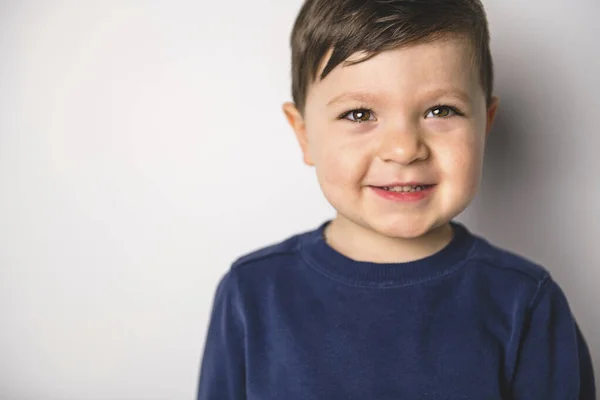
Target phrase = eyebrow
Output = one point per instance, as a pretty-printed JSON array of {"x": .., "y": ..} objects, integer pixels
[
  {"x": 358, "y": 96},
  {"x": 373, "y": 98}
]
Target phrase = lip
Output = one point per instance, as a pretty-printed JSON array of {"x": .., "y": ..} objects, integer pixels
[
  {"x": 403, "y": 196},
  {"x": 411, "y": 183}
]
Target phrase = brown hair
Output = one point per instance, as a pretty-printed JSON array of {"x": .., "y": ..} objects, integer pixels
[{"x": 373, "y": 26}]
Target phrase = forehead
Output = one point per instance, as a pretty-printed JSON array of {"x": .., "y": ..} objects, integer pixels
[{"x": 429, "y": 66}]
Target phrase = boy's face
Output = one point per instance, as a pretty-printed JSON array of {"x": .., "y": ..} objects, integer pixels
[{"x": 427, "y": 123}]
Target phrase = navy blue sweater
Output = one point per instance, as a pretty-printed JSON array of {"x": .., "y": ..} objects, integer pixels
[{"x": 300, "y": 321}]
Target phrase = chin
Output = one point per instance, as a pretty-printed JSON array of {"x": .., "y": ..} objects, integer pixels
[
  {"x": 407, "y": 227},
  {"x": 403, "y": 230}
]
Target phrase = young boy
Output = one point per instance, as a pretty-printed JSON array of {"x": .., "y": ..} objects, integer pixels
[{"x": 392, "y": 299}]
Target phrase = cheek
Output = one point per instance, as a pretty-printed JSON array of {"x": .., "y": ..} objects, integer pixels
[
  {"x": 339, "y": 163},
  {"x": 336, "y": 170},
  {"x": 462, "y": 163}
]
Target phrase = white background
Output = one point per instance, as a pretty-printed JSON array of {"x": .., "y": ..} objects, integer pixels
[{"x": 142, "y": 149}]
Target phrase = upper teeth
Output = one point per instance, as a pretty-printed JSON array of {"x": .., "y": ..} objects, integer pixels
[{"x": 404, "y": 188}]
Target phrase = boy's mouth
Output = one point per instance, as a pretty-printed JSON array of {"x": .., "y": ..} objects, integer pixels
[
  {"x": 405, "y": 188},
  {"x": 404, "y": 193}
]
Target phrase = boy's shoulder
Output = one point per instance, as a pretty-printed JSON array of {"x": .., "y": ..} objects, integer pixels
[
  {"x": 502, "y": 273},
  {"x": 287, "y": 247},
  {"x": 492, "y": 256}
]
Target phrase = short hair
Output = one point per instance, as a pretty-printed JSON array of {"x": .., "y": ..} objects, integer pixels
[{"x": 373, "y": 26}]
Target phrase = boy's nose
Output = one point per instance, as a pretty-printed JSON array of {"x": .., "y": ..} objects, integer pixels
[{"x": 402, "y": 146}]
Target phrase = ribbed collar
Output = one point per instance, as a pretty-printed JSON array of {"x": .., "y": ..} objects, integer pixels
[{"x": 337, "y": 266}]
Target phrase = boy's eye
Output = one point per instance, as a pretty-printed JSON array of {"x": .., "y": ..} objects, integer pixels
[
  {"x": 443, "y": 111},
  {"x": 359, "y": 115},
  {"x": 365, "y": 114}
]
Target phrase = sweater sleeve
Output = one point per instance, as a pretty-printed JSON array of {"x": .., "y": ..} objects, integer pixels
[
  {"x": 554, "y": 362},
  {"x": 222, "y": 370}
]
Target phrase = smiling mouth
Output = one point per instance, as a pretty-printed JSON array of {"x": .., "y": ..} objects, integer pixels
[{"x": 404, "y": 188}]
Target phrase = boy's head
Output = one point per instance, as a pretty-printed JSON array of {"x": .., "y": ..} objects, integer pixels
[{"x": 388, "y": 92}]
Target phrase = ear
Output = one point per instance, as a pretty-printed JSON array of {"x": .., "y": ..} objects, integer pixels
[
  {"x": 296, "y": 121},
  {"x": 491, "y": 114}
]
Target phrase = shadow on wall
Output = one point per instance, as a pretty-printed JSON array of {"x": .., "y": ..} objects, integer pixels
[{"x": 526, "y": 198}]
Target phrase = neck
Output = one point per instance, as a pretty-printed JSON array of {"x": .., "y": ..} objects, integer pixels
[{"x": 363, "y": 244}]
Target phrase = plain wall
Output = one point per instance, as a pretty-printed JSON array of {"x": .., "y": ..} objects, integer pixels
[{"x": 143, "y": 149}]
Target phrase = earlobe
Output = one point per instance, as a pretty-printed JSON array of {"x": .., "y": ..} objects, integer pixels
[{"x": 296, "y": 121}]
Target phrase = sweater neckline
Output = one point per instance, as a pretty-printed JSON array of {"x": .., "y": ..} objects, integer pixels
[{"x": 321, "y": 256}]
